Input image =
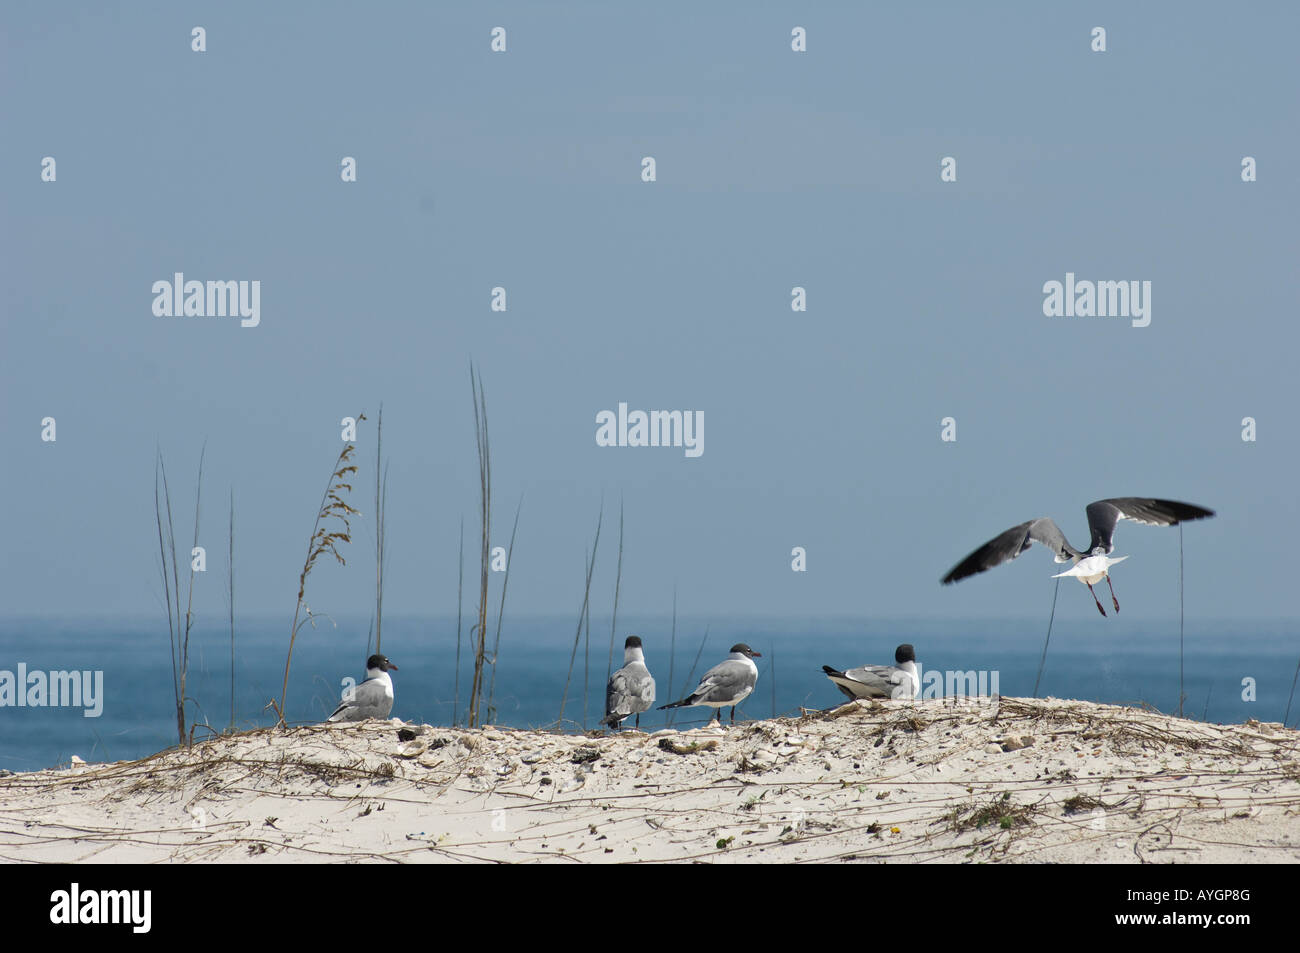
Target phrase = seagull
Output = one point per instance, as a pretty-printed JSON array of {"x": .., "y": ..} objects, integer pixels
[
  {"x": 880, "y": 681},
  {"x": 727, "y": 683},
  {"x": 1091, "y": 566},
  {"x": 631, "y": 690},
  {"x": 373, "y": 698}
]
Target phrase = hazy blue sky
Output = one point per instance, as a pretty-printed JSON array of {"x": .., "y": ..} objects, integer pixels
[{"x": 775, "y": 169}]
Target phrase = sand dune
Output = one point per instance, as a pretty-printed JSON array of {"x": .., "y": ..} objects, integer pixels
[{"x": 1012, "y": 780}]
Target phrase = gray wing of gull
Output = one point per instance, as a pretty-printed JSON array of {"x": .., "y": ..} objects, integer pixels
[
  {"x": 876, "y": 681},
  {"x": 369, "y": 700},
  {"x": 1012, "y": 543},
  {"x": 1104, "y": 515},
  {"x": 631, "y": 690},
  {"x": 872, "y": 681},
  {"x": 725, "y": 682}
]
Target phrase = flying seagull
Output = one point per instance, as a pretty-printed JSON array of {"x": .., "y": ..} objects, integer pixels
[
  {"x": 880, "y": 681},
  {"x": 1090, "y": 566},
  {"x": 631, "y": 690},
  {"x": 373, "y": 698},
  {"x": 727, "y": 683}
]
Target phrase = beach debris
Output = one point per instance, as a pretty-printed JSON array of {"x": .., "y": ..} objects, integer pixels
[
  {"x": 1081, "y": 802},
  {"x": 667, "y": 744},
  {"x": 1016, "y": 742},
  {"x": 1000, "y": 811},
  {"x": 758, "y": 762}
]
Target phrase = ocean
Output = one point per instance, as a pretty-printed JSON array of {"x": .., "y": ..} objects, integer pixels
[{"x": 1231, "y": 671}]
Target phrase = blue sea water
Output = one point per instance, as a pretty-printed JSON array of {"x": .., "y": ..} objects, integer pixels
[{"x": 1117, "y": 660}]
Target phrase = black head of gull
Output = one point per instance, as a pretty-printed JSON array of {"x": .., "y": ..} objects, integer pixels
[{"x": 1088, "y": 566}]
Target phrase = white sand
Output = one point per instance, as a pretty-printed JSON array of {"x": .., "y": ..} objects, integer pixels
[{"x": 892, "y": 782}]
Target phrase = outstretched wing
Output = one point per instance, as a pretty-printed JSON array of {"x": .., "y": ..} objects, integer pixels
[
  {"x": 1011, "y": 544},
  {"x": 1105, "y": 514}
]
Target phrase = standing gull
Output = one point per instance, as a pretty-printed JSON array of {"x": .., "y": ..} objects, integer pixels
[
  {"x": 631, "y": 690},
  {"x": 880, "y": 681},
  {"x": 373, "y": 698},
  {"x": 1088, "y": 567},
  {"x": 727, "y": 683}
]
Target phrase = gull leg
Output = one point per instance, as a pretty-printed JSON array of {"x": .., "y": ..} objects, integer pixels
[
  {"x": 1112, "y": 594},
  {"x": 733, "y": 714},
  {"x": 1095, "y": 599},
  {"x": 638, "y": 721}
]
